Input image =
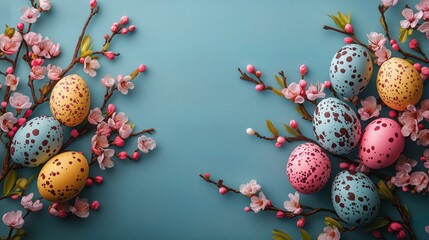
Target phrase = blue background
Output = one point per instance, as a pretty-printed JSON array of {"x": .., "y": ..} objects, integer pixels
[{"x": 192, "y": 95}]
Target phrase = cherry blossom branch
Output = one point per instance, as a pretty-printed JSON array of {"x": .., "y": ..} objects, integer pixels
[
  {"x": 404, "y": 215},
  {"x": 9, "y": 237},
  {"x": 356, "y": 40}
]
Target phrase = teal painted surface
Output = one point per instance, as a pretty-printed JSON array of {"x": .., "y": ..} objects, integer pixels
[{"x": 193, "y": 96}]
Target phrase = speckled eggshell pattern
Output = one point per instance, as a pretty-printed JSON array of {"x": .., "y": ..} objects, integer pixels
[
  {"x": 399, "y": 84},
  {"x": 350, "y": 70},
  {"x": 70, "y": 100},
  {"x": 36, "y": 141},
  {"x": 382, "y": 143},
  {"x": 336, "y": 126},
  {"x": 355, "y": 198},
  {"x": 63, "y": 177},
  {"x": 308, "y": 168}
]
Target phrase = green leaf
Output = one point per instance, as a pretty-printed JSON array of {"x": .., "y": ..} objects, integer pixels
[
  {"x": 342, "y": 18},
  {"x": 9, "y": 182},
  {"x": 337, "y": 21},
  {"x": 410, "y": 31},
  {"x": 383, "y": 24},
  {"x": 384, "y": 191},
  {"x": 85, "y": 44},
  {"x": 277, "y": 92},
  {"x": 272, "y": 129},
  {"x": 290, "y": 130},
  {"x": 332, "y": 222},
  {"x": 16, "y": 237},
  {"x": 407, "y": 211},
  {"x": 280, "y": 82},
  {"x": 22, "y": 183},
  {"x": 348, "y": 17},
  {"x": 106, "y": 46},
  {"x": 32, "y": 177},
  {"x": 376, "y": 224},
  {"x": 304, "y": 234},
  {"x": 20, "y": 232},
  {"x": 403, "y": 35},
  {"x": 279, "y": 235}
]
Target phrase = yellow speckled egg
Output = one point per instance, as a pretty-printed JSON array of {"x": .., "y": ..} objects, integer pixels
[
  {"x": 63, "y": 177},
  {"x": 70, "y": 100},
  {"x": 399, "y": 84}
]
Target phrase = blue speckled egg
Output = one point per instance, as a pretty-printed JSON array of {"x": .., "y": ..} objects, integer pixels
[
  {"x": 336, "y": 126},
  {"x": 355, "y": 198},
  {"x": 351, "y": 70},
  {"x": 36, "y": 141}
]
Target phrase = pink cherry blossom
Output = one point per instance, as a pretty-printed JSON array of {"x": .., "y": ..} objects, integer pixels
[
  {"x": 410, "y": 119},
  {"x": 105, "y": 159},
  {"x": 103, "y": 129},
  {"x": 251, "y": 188},
  {"x": 29, "y": 14},
  {"x": 293, "y": 205},
  {"x": 420, "y": 180},
  {"x": 146, "y": 144},
  {"x": 7, "y": 121},
  {"x": 330, "y": 233},
  {"x": 401, "y": 179},
  {"x": 19, "y": 101},
  {"x": 99, "y": 143},
  {"x": 388, "y": 3},
  {"x": 424, "y": 109},
  {"x": 424, "y": 7},
  {"x": 45, "y": 5},
  {"x": 382, "y": 55},
  {"x": 32, "y": 38},
  {"x": 376, "y": 40},
  {"x": 411, "y": 18},
  {"x": 293, "y": 92},
  {"x": 38, "y": 72},
  {"x": 12, "y": 81},
  {"x": 54, "y": 72},
  {"x": 369, "y": 108},
  {"x": 54, "y": 50},
  {"x": 90, "y": 65},
  {"x": 405, "y": 164},
  {"x": 423, "y": 137},
  {"x": 424, "y": 28},
  {"x": 95, "y": 116},
  {"x": 27, "y": 203},
  {"x": 125, "y": 131},
  {"x": 10, "y": 45},
  {"x": 258, "y": 203},
  {"x": 124, "y": 83},
  {"x": 13, "y": 219},
  {"x": 117, "y": 120},
  {"x": 315, "y": 91},
  {"x": 108, "y": 81},
  {"x": 59, "y": 209},
  {"x": 43, "y": 47},
  {"x": 80, "y": 208}
]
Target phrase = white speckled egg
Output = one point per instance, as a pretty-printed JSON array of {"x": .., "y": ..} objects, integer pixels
[
  {"x": 70, "y": 100},
  {"x": 381, "y": 144},
  {"x": 336, "y": 126},
  {"x": 36, "y": 141},
  {"x": 63, "y": 177},
  {"x": 355, "y": 198},
  {"x": 350, "y": 70},
  {"x": 308, "y": 168}
]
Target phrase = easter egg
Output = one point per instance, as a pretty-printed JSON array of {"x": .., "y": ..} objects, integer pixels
[
  {"x": 399, "y": 84},
  {"x": 355, "y": 198},
  {"x": 382, "y": 143},
  {"x": 36, "y": 141},
  {"x": 308, "y": 168},
  {"x": 336, "y": 126},
  {"x": 70, "y": 100},
  {"x": 350, "y": 70},
  {"x": 63, "y": 177}
]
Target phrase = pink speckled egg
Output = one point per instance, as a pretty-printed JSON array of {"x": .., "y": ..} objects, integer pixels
[
  {"x": 308, "y": 168},
  {"x": 381, "y": 144}
]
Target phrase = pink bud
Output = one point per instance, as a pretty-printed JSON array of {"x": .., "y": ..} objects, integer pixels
[
  {"x": 110, "y": 55},
  {"x": 14, "y": 129},
  {"x": 302, "y": 83},
  {"x": 423, "y": 77},
  {"x": 250, "y": 68},
  {"x": 352, "y": 168},
  {"x": 393, "y": 41},
  {"x": 223, "y": 190},
  {"x": 258, "y": 73},
  {"x": 28, "y": 113},
  {"x": 303, "y": 69},
  {"x": 393, "y": 114},
  {"x": 3, "y": 104},
  {"x": 114, "y": 29},
  {"x": 269, "y": 203},
  {"x": 423, "y": 158},
  {"x": 37, "y": 62},
  {"x": 62, "y": 214},
  {"x": 119, "y": 141},
  {"x": 14, "y": 197},
  {"x": 89, "y": 182},
  {"x": 95, "y": 205},
  {"x": 348, "y": 28},
  {"x": 20, "y": 26},
  {"x": 293, "y": 124},
  {"x": 115, "y": 24},
  {"x": 124, "y": 31},
  {"x": 11, "y": 134},
  {"x": 425, "y": 71},
  {"x": 142, "y": 68},
  {"x": 348, "y": 40},
  {"x": 420, "y": 126},
  {"x": 98, "y": 179},
  {"x": 418, "y": 66},
  {"x": 302, "y": 92},
  {"x": 280, "y": 214},
  {"x": 395, "y": 47},
  {"x": 247, "y": 209},
  {"x": 395, "y": 226},
  {"x": 93, "y": 3},
  {"x": 259, "y": 87},
  {"x": 135, "y": 155},
  {"x": 82, "y": 60},
  {"x": 207, "y": 175},
  {"x": 413, "y": 42},
  {"x": 377, "y": 234},
  {"x": 278, "y": 145},
  {"x": 401, "y": 234},
  {"x": 106, "y": 36},
  {"x": 21, "y": 121},
  {"x": 74, "y": 133},
  {"x": 111, "y": 109},
  {"x": 300, "y": 223},
  {"x": 327, "y": 84},
  {"x": 132, "y": 28},
  {"x": 124, "y": 19},
  {"x": 344, "y": 165},
  {"x": 281, "y": 139},
  {"x": 405, "y": 189},
  {"x": 10, "y": 70},
  {"x": 122, "y": 155}
]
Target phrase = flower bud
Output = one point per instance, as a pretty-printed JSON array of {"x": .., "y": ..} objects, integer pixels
[
  {"x": 258, "y": 73},
  {"x": 418, "y": 66},
  {"x": 303, "y": 69},
  {"x": 132, "y": 28},
  {"x": 21, "y": 121},
  {"x": 14, "y": 197},
  {"x": 280, "y": 214},
  {"x": 207, "y": 175},
  {"x": 250, "y": 68},
  {"x": 393, "y": 41},
  {"x": 37, "y": 62},
  {"x": 348, "y": 40},
  {"x": 106, "y": 36},
  {"x": 82, "y": 60},
  {"x": 395, "y": 226},
  {"x": 95, "y": 205},
  {"x": 393, "y": 114},
  {"x": 250, "y": 131},
  {"x": 28, "y": 113},
  {"x": 259, "y": 87},
  {"x": 89, "y": 182},
  {"x": 327, "y": 84},
  {"x": 110, "y": 55},
  {"x": 10, "y": 70},
  {"x": 74, "y": 133},
  {"x": 302, "y": 83},
  {"x": 124, "y": 20},
  {"x": 376, "y": 233},
  {"x": 93, "y": 3},
  {"x": 111, "y": 109},
  {"x": 11, "y": 134},
  {"x": 344, "y": 165},
  {"x": 20, "y": 26},
  {"x": 413, "y": 44},
  {"x": 122, "y": 155},
  {"x": 3, "y": 104},
  {"x": 62, "y": 214},
  {"x": 247, "y": 209},
  {"x": 119, "y": 141},
  {"x": 114, "y": 29},
  {"x": 281, "y": 139},
  {"x": 135, "y": 155},
  {"x": 278, "y": 145},
  {"x": 124, "y": 31},
  {"x": 142, "y": 68},
  {"x": 98, "y": 179},
  {"x": 348, "y": 28},
  {"x": 223, "y": 190},
  {"x": 293, "y": 124},
  {"x": 425, "y": 71},
  {"x": 401, "y": 234},
  {"x": 300, "y": 223},
  {"x": 395, "y": 47}
]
